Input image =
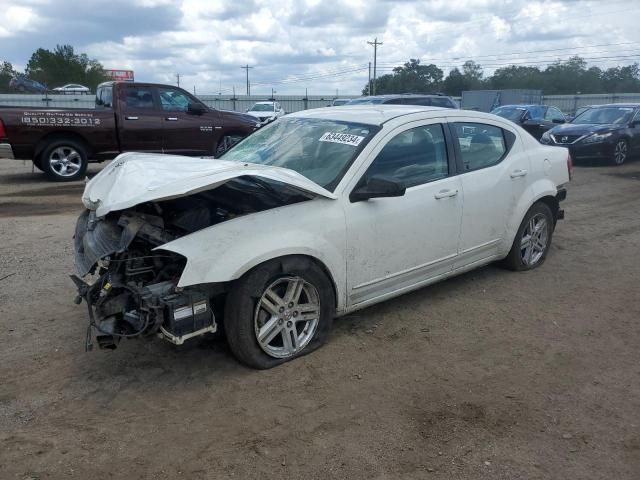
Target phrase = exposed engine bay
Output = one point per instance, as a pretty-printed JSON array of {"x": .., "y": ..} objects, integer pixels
[{"x": 131, "y": 289}]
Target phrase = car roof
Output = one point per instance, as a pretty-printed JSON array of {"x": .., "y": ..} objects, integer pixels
[
  {"x": 627, "y": 105},
  {"x": 375, "y": 114},
  {"x": 521, "y": 105}
]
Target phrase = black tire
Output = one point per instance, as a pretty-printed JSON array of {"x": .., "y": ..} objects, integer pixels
[
  {"x": 241, "y": 309},
  {"x": 53, "y": 156},
  {"x": 620, "y": 152},
  {"x": 37, "y": 162},
  {"x": 517, "y": 258},
  {"x": 227, "y": 142}
]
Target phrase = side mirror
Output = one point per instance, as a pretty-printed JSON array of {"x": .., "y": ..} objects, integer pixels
[
  {"x": 558, "y": 120},
  {"x": 377, "y": 187},
  {"x": 634, "y": 124},
  {"x": 195, "y": 109}
]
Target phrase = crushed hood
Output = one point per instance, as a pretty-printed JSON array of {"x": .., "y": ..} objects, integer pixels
[{"x": 135, "y": 178}]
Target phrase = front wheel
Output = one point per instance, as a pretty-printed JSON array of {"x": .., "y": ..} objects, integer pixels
[
  {"x": 64, "y": 160},
  {"x": 279, "y": 311},
  {"x": 620, "y": 151},
  {"x": 533, "y": 240}
]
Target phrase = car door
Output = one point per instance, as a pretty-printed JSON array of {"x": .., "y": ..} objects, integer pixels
[
  {"x": 534, "y": 121},
  {"x": 397, "y": 243},
  {"x": 139, "y": 119},
  {"x": 185, "y": 132},
  {"x": 494, "y": 169}
]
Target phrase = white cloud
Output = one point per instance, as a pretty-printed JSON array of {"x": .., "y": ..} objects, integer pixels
[{"x": 316, "y": 44}]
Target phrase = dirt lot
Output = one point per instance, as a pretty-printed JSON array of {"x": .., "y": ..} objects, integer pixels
[{"x": 491, "y": 375}]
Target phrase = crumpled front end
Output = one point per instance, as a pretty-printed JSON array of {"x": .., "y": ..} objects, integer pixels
[{"x": 133, "y": 292}]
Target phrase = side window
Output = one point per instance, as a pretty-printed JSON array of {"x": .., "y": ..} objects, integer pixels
[
  {"x": 441, "y": 102},
  {"x": 139, "y": 97},
  {"x": 480, "y": 145},
  {"x": 173, "y": 100},
  {"x": 413, "y": 157},
  {"x": 535, "y": 113},
  {"x": 426, "y": 101},
  {"x": 553, "y": 114}
]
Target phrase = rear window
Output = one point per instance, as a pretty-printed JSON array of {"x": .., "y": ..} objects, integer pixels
[{"x": 104, "y": 97}]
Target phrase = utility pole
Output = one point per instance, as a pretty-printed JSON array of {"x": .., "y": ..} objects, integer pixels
[
  {"x": 247, "y": 67},
  {"x": 369, "y": 84},
  {"x": 375, "y": 44},
  {"x": 178, "y": 78}
]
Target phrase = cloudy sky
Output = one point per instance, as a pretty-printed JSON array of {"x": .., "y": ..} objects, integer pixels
[{"x": 319, "y": 45}]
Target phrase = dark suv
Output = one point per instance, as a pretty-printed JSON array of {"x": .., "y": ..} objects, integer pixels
[{"x": 436, "y": 100}]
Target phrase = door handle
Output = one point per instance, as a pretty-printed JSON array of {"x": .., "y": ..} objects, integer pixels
[
  {"x": 445, "y": 194},
  {"x": 131, "y": 118},
  {"x": 518, "y": 173},
  {"x": 172, "y": 119}
]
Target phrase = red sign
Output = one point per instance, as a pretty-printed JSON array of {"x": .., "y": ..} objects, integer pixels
[{"x": 120, "y": 75}]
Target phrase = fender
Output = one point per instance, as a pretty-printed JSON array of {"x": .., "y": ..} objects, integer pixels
[
  {"x": 543, "y": 187},
  {"x": 225, "y": 252}
]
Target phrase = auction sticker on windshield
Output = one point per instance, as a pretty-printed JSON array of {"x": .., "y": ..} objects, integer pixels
[{"x": 344, "y": 138}]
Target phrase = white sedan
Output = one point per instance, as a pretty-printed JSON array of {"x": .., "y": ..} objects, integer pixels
[
  {"x": 266, "y": 112},
  {"x": 73, "y": 88},
  {"x": 318, "y": 214}
]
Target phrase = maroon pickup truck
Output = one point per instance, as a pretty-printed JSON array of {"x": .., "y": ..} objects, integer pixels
[{"x": 141, "y": 117}]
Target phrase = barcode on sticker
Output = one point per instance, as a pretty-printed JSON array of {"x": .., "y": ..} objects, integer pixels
[{"x": 344, "y": 138}]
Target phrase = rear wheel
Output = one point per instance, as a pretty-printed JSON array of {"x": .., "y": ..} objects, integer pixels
[
  {"x": 64, "y": 160},
  {"x": 279, "y": 311},
  {"x": 533, "y": 240}
]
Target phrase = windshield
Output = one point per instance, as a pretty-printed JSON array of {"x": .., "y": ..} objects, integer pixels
[
  {"x": 262, "y": 107},
  {"x": 511, "y": 113},
  {"x": 365, "y": 100},
  {"x": 321, "y": 150},
  {"x": 604, "y": 115}
]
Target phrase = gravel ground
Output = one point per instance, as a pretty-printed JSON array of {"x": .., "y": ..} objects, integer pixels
[{"x": 492, "y": 374}]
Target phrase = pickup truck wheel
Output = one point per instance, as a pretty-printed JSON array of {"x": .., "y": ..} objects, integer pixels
[
  {"x": 64, "y": 160},
  {"x": 279, "y": 311},
  {"x": 227, "y": 142},
  {"x": 533, "y": 240}
]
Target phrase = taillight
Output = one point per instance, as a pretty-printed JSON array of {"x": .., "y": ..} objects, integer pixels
[
  {"x": 570, "y": 165},
  {"x": 3, "y": 132}
]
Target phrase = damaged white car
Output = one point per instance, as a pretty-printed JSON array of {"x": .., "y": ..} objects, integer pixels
[{"x": 316, "y": 215}]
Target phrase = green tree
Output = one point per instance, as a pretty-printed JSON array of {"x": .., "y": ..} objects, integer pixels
[
  {"x": 470, "y": 78},
  {"x": 62, "y": 66},
  {"x": 6, "y": 73},
  {"x": 622, "y": 79},
  {"x": 412, "y": 77}
]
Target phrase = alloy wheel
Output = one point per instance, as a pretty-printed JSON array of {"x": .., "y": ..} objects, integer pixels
[
  {"x": 286, "y": 316},
  {"x": 620, "y": 152},
  {"x": 65, "y": 161},
  {"x": 534, "y": 240}
]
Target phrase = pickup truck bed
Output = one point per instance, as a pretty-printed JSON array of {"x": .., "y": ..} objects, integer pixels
[{"x": 128, "y": 117}]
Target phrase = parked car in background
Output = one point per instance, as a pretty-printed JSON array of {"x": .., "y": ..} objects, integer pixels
[
  {"x": 73, "y": 88},
  {"x": 266, "y": 112},
  {"x": 435, "y": 100},
  {"x": 129, "y": 116},
  {"x": 340, "y": 101},
  {"x": 535, "y": 119},
  {"x": 318, "y": 214},
  {"x": 610, "y": 132},
  {"x": 24, "y": 84}
]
